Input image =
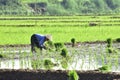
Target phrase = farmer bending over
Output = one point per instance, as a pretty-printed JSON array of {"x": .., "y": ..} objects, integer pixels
[{"x": 38, "y": 40}]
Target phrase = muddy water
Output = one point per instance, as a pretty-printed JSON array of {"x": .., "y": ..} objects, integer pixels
[{"x": 84, "y": 57}]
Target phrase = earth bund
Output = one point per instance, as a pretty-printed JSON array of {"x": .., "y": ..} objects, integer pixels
[{"x": 27, "y": 74}]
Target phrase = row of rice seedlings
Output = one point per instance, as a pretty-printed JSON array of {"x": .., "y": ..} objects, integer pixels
[
  {"x": 65, "y": 58},
  {"x": 48, "y": 63},
  {"x": 85, "y": 57},
  {"x": 5, "y": 51},
  {"x": 25, "y": 60},
  {"x": 110, "y": 59},
  {"x": 38, "y": 59},
  {"x": 21, "y": 59},
  {"x": 57, "y": 22},
  {"x": 112, "y": 17},
  {"x": 12, "y": 54},
  {"x": 46, "y": 23},
  {"x": 79, "y": 32},
  {"x": 90, "y": 59},
  {"x": 74, "y": 57},
  {"x": 79, "y": 55},
  {"x": 95, "y": 56},
  {"x": 104, "y": 58},
  {"x": 68, "y": 60}
]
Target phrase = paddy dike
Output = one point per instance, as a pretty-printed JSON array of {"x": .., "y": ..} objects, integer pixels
[{"x": 26, "y": 74}]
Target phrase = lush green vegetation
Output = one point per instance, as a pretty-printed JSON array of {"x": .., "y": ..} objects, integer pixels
[
  {"x": 12, "y": 7},
  {"x": 59, "y": 7},
  {"x": 18, "y": 30}
]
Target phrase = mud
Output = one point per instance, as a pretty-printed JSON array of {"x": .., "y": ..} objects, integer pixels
[{"x": 54, "y": 75}]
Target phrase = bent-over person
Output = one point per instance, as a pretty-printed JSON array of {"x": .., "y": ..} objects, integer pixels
[{"x": 38, "y": 40}]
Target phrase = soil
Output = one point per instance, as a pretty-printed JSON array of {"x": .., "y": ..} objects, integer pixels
[{"x": 27, "y": 74}]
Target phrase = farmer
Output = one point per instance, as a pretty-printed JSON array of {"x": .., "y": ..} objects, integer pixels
[{"x": 38, "y": 40}]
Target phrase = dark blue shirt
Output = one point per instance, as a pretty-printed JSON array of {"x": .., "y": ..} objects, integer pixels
[{"x": 41, "y": 39}]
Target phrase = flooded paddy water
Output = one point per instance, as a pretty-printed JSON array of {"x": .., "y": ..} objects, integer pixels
[{"x": 84, "y": 56}]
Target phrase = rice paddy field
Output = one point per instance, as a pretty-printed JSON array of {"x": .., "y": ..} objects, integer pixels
[
  {"x": 18, "y": 30},
  {"x": 91, "y": 50}
]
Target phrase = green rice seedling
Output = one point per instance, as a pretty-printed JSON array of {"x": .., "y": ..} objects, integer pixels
[
  {"x": 13, "y": 59},
  {"x": 114, "y": 61},
  {"x": 74, "y": 58},
  {"x": 30, "y": 54},
  {"x": 38, "y": 51},
  {"x": 36, "y": 63},
  {"x": 66, "y": 59},
  {"x": 109, "y": 42},
  {"x": 90, "y": 59},
  {"x": 64, "y": 52},
  {"x": 25, "y": 62},
  {"x": 1, "y": 56},
  {"x": 29, "y": 62},
  {"x": 64, "y": 63},
  {"x": 112, "y": 50},
  {"x": 110, "y": 64},
  {"x": 73, "y": 42},
  {"x": 1, "y": 50},
  {"x": 13, "y": 63},
  {"x": 117, "y": 40},
  {"x": 58, "y": 46},
  {"x": 22, "y": 57},
  {"x": 73, "y": 75},
  {"x": 50, "y": 45},
  {"x": 39, "y": 58},
  {"x": 117, "y": 62},
  {"x": 109, "y": 60},
  {"x": 48, "y": 64},
  {"x": 83, "y": 61},
  {"x": 104, "y": 68},
  {"x": 39, "y": 64},
  {"x": 21, "y": 63},
  {"x": 102, "y": 57}
]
